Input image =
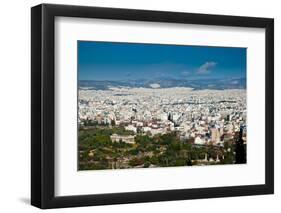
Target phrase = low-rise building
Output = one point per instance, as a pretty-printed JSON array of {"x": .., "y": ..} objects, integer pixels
[{"x": 124, "y": 138}]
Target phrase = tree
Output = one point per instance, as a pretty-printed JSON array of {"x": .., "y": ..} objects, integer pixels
[
  {"x": 189, "y": 163},
  {"x": 136, "y": 162},
  {"x": 240, "y": 156}
]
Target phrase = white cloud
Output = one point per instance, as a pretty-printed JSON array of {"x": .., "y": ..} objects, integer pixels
[
  {"x": 185, "y": 73},
  {"x": 206, "y": 67}
]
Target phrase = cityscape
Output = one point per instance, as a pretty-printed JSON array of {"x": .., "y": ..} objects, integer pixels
[{"x": 163, "y": 115}]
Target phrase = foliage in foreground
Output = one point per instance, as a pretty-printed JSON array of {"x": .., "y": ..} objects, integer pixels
[{"x": 97, "y": 151}]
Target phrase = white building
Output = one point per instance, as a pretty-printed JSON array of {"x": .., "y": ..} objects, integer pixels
[
  {"x": 131, "y": 128},
  {"x": 199, "y": 141},
  {"x": 124, "y": 138}
]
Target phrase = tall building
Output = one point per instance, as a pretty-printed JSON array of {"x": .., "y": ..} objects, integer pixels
[{"x": 215, "y": 135}]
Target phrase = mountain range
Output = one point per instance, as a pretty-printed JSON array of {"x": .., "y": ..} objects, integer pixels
[{"x": 197, "y": 84}]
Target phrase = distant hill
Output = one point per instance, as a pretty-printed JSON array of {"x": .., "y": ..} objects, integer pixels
[{"x": 218, "y": 84}]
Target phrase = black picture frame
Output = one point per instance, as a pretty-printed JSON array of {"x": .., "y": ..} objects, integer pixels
[{"x": 43, "y": 102}]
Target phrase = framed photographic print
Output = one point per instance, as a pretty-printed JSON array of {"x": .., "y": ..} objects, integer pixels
[{"x": 139, "y": 106}]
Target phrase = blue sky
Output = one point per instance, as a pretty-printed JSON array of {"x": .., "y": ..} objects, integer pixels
[{"x": 122, "y": 61}]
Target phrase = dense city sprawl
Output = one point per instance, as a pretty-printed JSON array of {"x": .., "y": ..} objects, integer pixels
[{"x": 124, "y": 127}]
